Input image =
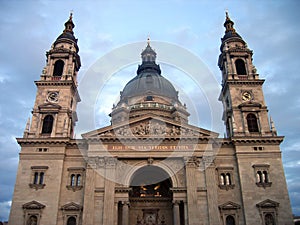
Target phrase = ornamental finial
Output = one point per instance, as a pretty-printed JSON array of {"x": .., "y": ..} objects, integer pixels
[{"x": 148, "y": 40}]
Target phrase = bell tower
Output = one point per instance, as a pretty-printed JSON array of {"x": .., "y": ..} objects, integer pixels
[
  {"x": 54, "y": 112},
  {"x": 245, "y": 111}
]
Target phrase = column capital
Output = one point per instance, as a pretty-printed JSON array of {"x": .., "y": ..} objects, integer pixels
[
  {"x": 125, "y": 203},
  {"x": 192, "y": 161},
  {"x": 176, "y": 202}
]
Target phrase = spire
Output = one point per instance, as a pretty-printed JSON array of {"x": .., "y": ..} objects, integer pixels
[
  {"x": 69, "y": 25},
  {"x": 68, "y": 34},
  {"x": 229, "y": 24},
  {"x": 229, "y": 29}
]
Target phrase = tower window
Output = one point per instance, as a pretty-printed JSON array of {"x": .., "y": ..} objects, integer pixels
[
  {"x": 262, "y": 175},
  {"x": 58, "y": 68},
  {"x": 47, "y": 124},
  {"x": 38, "y": 176},
  {"x": 240, "y": 67},
  {"x": 226, "y": 177},
  {"x": 75, "y": 181},
  {"x": 252, "y": 123}
]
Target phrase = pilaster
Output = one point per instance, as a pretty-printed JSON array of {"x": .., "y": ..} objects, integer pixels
[
  {"x": 212, "y": 192},
  {"x": 191, "y": 184}
]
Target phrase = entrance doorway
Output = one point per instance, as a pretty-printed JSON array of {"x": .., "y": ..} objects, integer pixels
[{"x": 150, "y": 198}]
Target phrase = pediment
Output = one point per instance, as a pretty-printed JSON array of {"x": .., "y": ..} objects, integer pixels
[
  {"x": 267, "y": 204},
  {"x": 48, "y": 106},
  {"x": 33, "y": 205},
  {"x": 229, "y": 205},
  {"x": 150, "y": 126},
  {"x": 72, "y": 206}
]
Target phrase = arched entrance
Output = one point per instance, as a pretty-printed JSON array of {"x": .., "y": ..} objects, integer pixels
[{"x": 151, "y": 197}]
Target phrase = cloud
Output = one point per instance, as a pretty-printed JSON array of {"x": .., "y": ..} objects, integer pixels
[{"x": 5, "y": 208}]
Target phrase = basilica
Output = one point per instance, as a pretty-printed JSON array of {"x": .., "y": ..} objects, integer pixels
[{"x": 150, "y": 166}]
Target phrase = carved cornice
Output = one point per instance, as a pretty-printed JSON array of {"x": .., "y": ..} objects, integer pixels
[
  {"x": 257, "y": 140},
  {"x": 122, "y": 189},
  {"x": 178, "y": 189}
]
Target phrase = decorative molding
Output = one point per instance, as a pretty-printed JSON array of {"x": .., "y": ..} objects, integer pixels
[
  {"x": 74, "y": 188},
  {"x": 122, "y": 189},
  {"x": 72, "y": 206},
  {"x": 37, "y": 186},
  {"x": 33, "y": 205},
  {"x": 178, "y": 189}
]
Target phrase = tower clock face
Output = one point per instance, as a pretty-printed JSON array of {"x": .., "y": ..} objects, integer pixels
[
  {"x": 246, "y": 96},
  {"x": 52, "y": 96}
]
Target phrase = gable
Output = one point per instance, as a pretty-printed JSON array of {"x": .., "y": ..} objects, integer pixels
[
  {"x": 148, "y": 126},
  {"x": 71, "y": 207},
  {"x": 267, "y": 204},
  {"x": 33, "y": 205},
  {"x": 229, "y": 205}
]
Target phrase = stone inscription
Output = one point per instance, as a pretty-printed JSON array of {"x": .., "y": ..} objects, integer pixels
[{"x": 150, "y": 147}]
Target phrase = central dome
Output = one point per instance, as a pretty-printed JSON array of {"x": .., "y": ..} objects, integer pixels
[
  {"x": 149, "y": 83},
  {"x": 149, "y": 80}
]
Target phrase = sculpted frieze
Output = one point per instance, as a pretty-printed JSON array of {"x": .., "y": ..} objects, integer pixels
[{"x": 151, "y": 128}]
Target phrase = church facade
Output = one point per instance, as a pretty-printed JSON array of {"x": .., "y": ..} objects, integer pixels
[{"x": 150, "y": 166}]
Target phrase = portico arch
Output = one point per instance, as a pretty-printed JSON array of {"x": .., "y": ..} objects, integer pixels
[
  {"x": 162, "y": 165},
  {"x": 151, "y": 181}
]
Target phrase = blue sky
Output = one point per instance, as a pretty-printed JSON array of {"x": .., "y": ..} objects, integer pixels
[{"x": 28, "y": 29}]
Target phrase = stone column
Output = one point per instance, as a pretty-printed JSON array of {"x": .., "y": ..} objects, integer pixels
[
  {"x": 176, "y": 214},
  {"x": 109, "y": 191},
  {"x": 212, "y": 192},
  {"x": 191, "y": 186},
  {"x": 125, "y": 213}
]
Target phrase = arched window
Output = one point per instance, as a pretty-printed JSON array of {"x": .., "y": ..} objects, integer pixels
[
  {"x": 36, "y": 178},
  {"x": 73, "y": 180},
  {"x": 230, "y": 220},
  {"x": 78, "y": 181},
  {"x": 58, "y": 68},
  {"x": 259, "y": 177},
  {"x": 71, "y": 221},
  {"x": 222, "y": 179},
  {"x": 41, "y": 178},
  {"x": 228, "y": 179},
  {"x": 265, "y": 177},
  {"x": 32, "y": 220},
  {"x": 269, "y": 219},
  {"x": 47, "y": 124},
  {"x": 252, "y": 123},
  {"x": 240, "y": 67}
]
